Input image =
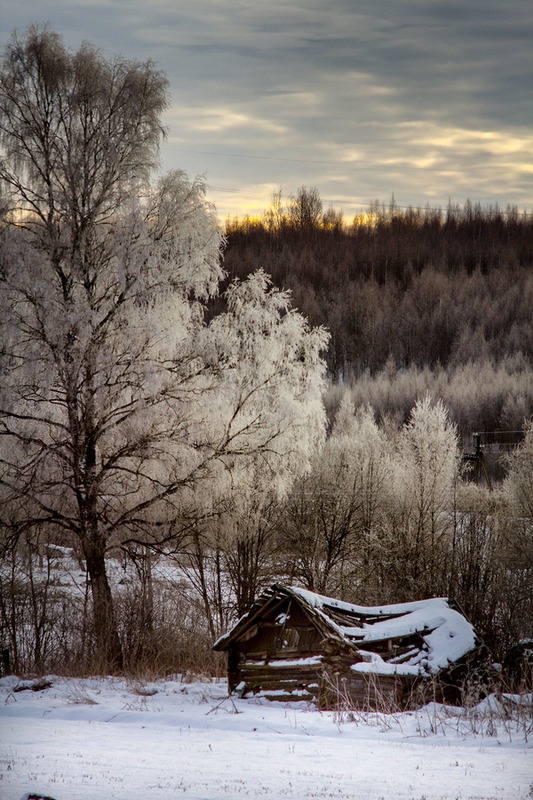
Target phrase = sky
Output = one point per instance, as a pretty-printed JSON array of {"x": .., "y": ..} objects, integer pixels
[{"x": 426, "y": 101}]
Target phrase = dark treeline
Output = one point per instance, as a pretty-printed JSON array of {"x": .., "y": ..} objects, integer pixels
[{"x": 407, "y": 291}]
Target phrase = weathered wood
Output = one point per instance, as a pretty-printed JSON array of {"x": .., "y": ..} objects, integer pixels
[{"x": 291, "y": 646}]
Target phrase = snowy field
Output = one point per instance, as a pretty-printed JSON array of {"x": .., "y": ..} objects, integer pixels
[{"x": 107, "y": 739}]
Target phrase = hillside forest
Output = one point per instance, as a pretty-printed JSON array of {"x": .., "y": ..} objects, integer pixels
[
  {"x": 415, "y": 299},
  {"x": 190, "y": 414}
]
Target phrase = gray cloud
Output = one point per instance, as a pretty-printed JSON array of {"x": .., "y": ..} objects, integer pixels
[{"x": 428, "y": 100}]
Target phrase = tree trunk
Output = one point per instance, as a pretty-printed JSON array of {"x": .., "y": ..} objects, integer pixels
[{"x": 108, "y": 653}]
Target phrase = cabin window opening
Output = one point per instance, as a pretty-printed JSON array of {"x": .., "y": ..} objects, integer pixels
[
  {"x": 288, "y": 639},
  {"x": 291, "y": 638}
]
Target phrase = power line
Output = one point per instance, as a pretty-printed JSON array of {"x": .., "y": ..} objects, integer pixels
[
  {"x": 260, "y": 158},
  {"x": 337, "y": 201},
  {"x": 368, "y": 167}
]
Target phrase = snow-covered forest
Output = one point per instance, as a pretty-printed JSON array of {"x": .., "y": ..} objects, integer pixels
[
  {"x": 415, "y": 300},
  {"x": 178, "y": 431}
]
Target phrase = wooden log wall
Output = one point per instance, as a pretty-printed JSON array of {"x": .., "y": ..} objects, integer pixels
[{"x": 324, "y": 679}]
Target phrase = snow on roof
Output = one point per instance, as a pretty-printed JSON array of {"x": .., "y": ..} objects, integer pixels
[
  {"x": 432, "y": 634},
  {"x": 447, "y": 635}
]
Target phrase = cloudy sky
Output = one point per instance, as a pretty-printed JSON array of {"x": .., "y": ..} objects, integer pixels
[{"x": 429, "y": 100}]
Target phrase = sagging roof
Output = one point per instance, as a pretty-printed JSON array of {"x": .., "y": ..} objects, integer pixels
[{"x": 429, "y": 635}]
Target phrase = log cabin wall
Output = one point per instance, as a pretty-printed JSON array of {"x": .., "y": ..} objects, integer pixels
[
  {"x": 281, "y": 656},
  {"x": 285, "y": 657},
  {"x": 294, "y": 645}
]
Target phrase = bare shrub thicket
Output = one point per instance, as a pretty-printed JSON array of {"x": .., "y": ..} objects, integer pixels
[
  {"x": 48, "y": 625},
  {"x": 374, "y": 518},
  {"x": 45, "y": 626},
  {"x": 177, "y": 639}
]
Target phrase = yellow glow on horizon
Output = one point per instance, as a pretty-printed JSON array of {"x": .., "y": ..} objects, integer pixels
[{"x": 460, "y": 161}]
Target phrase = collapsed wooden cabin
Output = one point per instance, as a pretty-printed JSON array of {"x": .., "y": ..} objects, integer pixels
[{"x": 296, "y": 645}]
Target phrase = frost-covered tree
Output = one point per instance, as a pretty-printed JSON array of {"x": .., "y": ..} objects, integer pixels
[
  {"x": 123, "y": 415},
  {"x": 519, "y": 483},
  {"x": 428, "y": 460},
  {"x": 269, "y": 410},
  {"x": 333, "y": 520}
]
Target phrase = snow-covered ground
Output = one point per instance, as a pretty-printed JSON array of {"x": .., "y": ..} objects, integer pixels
[{"x": 107, "y": 738}]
